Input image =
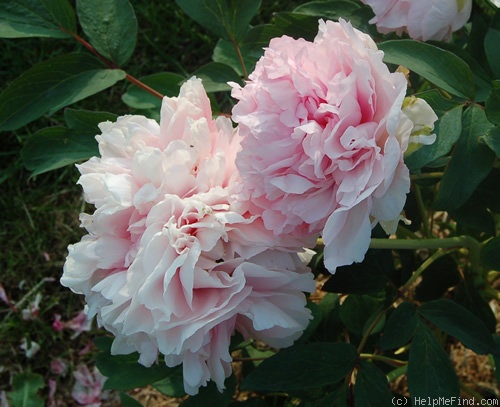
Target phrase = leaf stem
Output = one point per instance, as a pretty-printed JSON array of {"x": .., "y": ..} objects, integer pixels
[
  {"x": 112, "y": 65},
  {"x": 385, "y": 359},
  {"x": 240, "y": 57}
]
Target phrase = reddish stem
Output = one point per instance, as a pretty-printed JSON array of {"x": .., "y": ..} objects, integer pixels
[{"x": 111, "y": 65}]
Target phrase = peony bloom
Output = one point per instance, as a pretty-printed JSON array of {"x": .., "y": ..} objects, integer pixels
[
  {"x": 323, "y": 140},
  {"x": 172, "y": 264},
  {"x": 423, "y": 20}
]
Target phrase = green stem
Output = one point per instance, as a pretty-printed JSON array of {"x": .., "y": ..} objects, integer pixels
[
  {"x": 427, "y": 175},
  {"x": 385, "y": 359},
  {"x": 444, "y": 245},
  {"x": 371, "y": 328}
]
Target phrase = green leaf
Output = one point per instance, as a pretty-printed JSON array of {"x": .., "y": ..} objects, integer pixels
[
  {"x": 229, "y": 19},
  {"x": 35, "y": 18},
  {"x": 437, "y": 279},
  {"x": 173, "y": 384},
  {"x": 296, "y": 25},
  {"x": 371, "y": 388},
  {"x": 210, "y": 396},
  {"x": 430, "y": 372},
  {"x": 51, "y": 85},
  {"x": 356, "y": 312},
  {"x": 86, "y": 121},
  {"x": 56, "y": 147},
  {"x": 460, "y": 323},
  {"x": 367, "y": 277},
  {"x": 400, "y": 326},
  {"x": 491, "y": 42},
  {"x": 337, "y": 398},
  {"x": 330, "y": 9},
  {"x": 215, "y": 77},
  {"x": 124, "y": 371},
  {"x": 303, "y": 366},
  {"x": 443, "y": 68},
  {"x": 111, "y": 27},
  {"x": 490, "y": 254},
  {"x": 166, "y": 83},
  {"x": 493, "y": 103},
  {"x": 470, "y": 164},
  {"x": 470, "y": 297},
  {"x": 127, "y": 401},
  {"x": 25, "y": 387},
  {"x": 492, "y": 140},
  {"x": 447, "y": 129}
]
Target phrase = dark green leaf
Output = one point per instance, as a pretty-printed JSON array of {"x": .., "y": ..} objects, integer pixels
[
  {"x": 313, "y": 323},
  {"x": 430, "y": 372},
  {"x": 491, "y": 42},
  {"x": 337, "y": 398},
  {"x": 357, "y": 310},
  {"x": 400, "y": 326},
  {"x": 367, "y": 277},
  {"x": 469, "y": 296},
  {"x": 56, "y": 147},
  {"x": 210, "y": 396},
  {"x": 35, "y": 18},
  {"x": 492, "y": 139},
  {"x": 371, "y": 388},
  {"x": 296, "y": 25},
  {"x": 437, "y": 279},
  {"x": 86, "y": 121},
  {"x": 173, "y": 384},
  {"x": 224, "y": 53},
  {"x": 251, "y": 402},
  {"x": 447, "y": 130},
  {"x": 490, "y": 254},
  {"x": 124, "y": 371},
  {"x": 459, "y": 322},
  {"x": 493, "y": 103},
  {"x": 127, "y": 401},
  {"x": 443, "y": 68},
  {"x": 166, "y": 83},
  {"x": 51, "y": 85},
  {"x": 111, "y": 27},
  {"x": 330, "y": 9},
  {"x": 215, "y": 77},
  {"x": 470, "y": 164},
  {"x": 303, "y": 366},
  {"x": 25, "y": 387},
  {"x": 229, "y": 19}
]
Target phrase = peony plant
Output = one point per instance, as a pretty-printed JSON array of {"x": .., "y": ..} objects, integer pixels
[{"x": 306, "y": 218}]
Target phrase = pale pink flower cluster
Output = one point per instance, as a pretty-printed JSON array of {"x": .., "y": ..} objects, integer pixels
[
  {"x": 324, "y": 136},
  {"x": 423, "y": 19},
  {"x": 199, "y": 227},
  {"x": 172, "y": 263},
  {"x": 88, "y": 387}
]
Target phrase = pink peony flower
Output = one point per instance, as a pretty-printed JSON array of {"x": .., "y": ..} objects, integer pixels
[
  {"x": 88, "y": 387},
  {"x": 423, "y": 20},
  {"x": 323, "y": 140},
  {"x": 172, "y": 264}
]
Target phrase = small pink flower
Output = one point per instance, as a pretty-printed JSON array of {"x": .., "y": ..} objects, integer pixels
[
  {"x": 323, "y": 140},
  {"x": 59, "y": 366},
  {"x": 80, "y": 323},
  {"x": 173, "y": 264},
  {"x": 88, "y": 387},
  {"x": 423, "y": 19},
  {"x": 57, "y": 325}
]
